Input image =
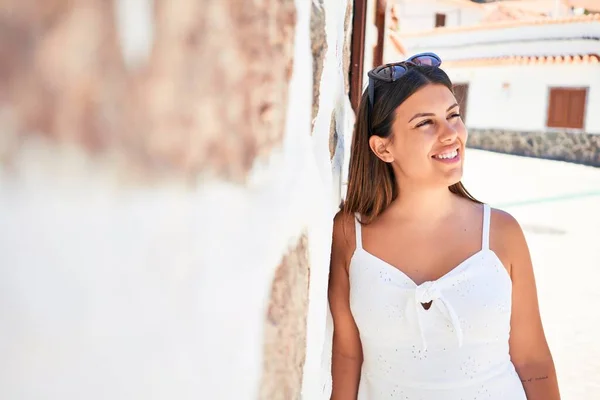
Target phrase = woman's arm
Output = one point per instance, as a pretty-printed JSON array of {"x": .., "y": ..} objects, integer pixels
[
  {"x": 529, "y": 349},
  {"x": 347, "y": 349}
]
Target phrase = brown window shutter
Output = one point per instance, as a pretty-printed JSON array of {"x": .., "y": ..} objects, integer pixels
[
  {"x": 557, "y": 112},
  {"x": 577, "y": 108},
  {"x": 566, "y": 108},
  {"x": 440, "y": 20}
]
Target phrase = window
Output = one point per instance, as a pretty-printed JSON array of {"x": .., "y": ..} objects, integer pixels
[
  {"x": 440, "y": 20},
  {"x": 566, "y": 108},
  {"x": 461, "y": 91}
]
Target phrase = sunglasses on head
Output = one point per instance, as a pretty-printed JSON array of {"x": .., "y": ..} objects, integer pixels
[{"x": 393, "y": 71}]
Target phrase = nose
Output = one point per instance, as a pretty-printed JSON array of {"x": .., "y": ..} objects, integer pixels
[{"x": 448, "y": 133}]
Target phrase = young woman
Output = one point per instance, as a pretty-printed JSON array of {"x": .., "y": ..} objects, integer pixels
[{"x": 432, "y": 293}]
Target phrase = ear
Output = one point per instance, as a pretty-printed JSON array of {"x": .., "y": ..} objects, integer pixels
[{"x": 379, "y": 146}]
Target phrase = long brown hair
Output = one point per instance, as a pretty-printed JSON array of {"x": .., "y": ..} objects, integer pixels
[{"x": 371, "y": 181}]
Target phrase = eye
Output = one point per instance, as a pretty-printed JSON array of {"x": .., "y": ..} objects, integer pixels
[
  {"x": 455, "y": 115},
  {"x": 423, "y": 123}
]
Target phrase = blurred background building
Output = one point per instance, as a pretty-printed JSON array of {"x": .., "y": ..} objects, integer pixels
[{"x": 527, "y": 73}]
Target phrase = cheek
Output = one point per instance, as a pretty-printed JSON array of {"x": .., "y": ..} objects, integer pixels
[{"x": 414, "y": 150}]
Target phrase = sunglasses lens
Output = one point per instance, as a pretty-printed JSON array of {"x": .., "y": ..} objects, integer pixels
[
  {"x": 426, "y": 60},
  {"x": 397, "y": 71},
  {"x": 391, "y": 73}
]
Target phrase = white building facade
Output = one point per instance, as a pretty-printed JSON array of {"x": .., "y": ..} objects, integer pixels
[
  {"x": 522, "y": 79},
  {"x": 515, "y": 96},
  {"x": 417, "y": 15}
]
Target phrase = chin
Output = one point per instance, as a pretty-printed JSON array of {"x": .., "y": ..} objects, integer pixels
[{"x": 453, "y": 177}]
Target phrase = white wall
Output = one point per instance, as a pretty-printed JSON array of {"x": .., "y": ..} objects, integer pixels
[
  {"x": 523, "y": 104},
  {"x": 159, "y": 290},
  {"x": 420, "y": 15},
  {"x": 539, "y": 39},
  {"x": 321, "y": 196},
  {"x": 370, "y": 39}
]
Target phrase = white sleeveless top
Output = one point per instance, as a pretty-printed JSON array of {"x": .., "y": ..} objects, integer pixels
[{"x": 455, "y": 350}]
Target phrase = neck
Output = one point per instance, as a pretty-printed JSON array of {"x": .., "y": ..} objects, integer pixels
[{"x": 424, "y": 204}]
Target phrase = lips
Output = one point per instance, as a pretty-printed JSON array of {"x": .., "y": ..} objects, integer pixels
[{"x": 447, "y": 154}]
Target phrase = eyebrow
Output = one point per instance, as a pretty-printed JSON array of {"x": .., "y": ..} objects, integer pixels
[{"x": 431, "y": 114}]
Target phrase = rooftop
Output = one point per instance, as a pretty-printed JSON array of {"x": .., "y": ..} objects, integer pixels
[
  {"x": 530, "y": 60},
  {"x": 592, "y": 5},
  {"x": 501, "y": 25},
  {"x": 456, "y": 3}
]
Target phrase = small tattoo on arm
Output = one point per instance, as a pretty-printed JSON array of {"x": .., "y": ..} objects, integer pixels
[{"x": 539, "y": 378}]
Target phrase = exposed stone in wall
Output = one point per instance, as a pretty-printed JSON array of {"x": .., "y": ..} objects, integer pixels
[
  {"x": 333, "y": 128},
  {"x": 221, "y": 109},
  {"x": 193, "y": 106},
  {"x": 333, "y": 136},
  {"x": 285, "y": 328},
  {"x": 60, "y": 71},
  {"x": 318, "y": 42},
  {"x": 347, "y": 44},
  {"x": 583, "y": 148}
]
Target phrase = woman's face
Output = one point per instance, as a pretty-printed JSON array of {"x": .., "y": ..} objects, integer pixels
[{"x": 428, "y": 142}]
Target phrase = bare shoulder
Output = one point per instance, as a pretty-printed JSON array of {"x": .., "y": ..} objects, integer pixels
[
  {"x": 504, "y": 222},
  {"x": 343, "y": 225},
  {"x": 507, "y": 239},
  {"x": 344, "y": 235}
]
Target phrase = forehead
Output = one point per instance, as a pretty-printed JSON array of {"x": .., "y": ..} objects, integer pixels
[{"x": 432, "y": 98}]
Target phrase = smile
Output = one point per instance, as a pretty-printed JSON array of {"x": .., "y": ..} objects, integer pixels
[{"x": 449, "y": 156}]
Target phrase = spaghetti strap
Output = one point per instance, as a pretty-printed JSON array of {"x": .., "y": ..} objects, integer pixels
[
  {"x": 485, "y": 236},
  {"x": 358, "y": 228}
]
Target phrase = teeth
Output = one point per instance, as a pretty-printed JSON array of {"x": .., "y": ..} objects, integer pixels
[{"x": 452, "y": 154}]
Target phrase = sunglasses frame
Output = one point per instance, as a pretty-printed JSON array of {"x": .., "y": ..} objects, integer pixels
[{"x": 374, "y": 74}]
